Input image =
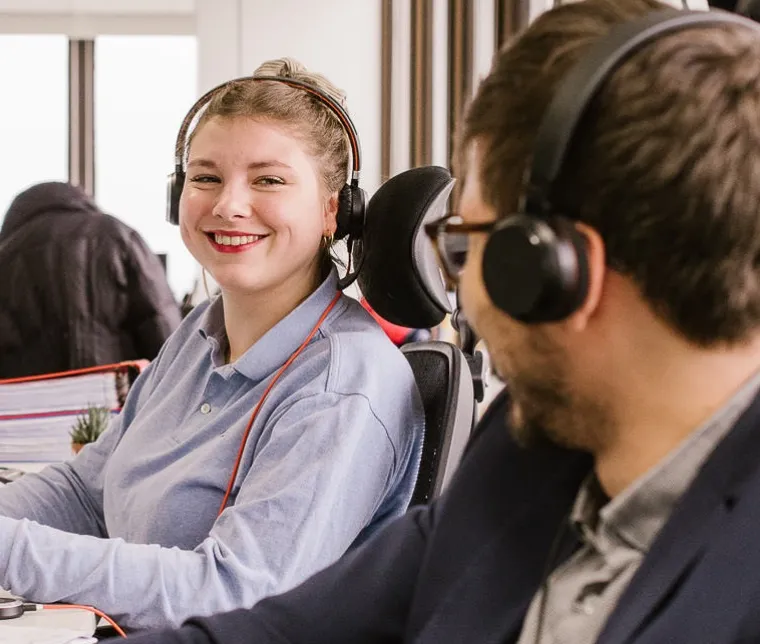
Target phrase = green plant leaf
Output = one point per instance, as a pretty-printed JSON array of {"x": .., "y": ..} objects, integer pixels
[{"x": 89, "y": 426}]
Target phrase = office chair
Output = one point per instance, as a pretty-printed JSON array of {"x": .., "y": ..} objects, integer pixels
[{"x": 401, "y": 281}]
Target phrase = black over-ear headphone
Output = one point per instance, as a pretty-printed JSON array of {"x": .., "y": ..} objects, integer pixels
[
  {"x": 351, "y": 199},
  {"x": 535, "y": 267}
]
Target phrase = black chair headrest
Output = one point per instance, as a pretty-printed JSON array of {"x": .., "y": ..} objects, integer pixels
[{"x": 400, "y": 278}]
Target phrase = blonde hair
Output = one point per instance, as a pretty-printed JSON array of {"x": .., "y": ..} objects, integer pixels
[{"x": 301, "y": 113}]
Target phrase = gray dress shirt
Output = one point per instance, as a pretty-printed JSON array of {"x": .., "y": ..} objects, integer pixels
[{"x": 616, "y": 535}]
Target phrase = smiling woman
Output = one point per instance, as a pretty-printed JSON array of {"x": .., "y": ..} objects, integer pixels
[
  {"x": 254, "y": 212},
  {"x": 278, "y": 427}
]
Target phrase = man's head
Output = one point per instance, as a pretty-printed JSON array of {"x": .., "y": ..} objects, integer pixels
[{"x": 662, "y": 180}]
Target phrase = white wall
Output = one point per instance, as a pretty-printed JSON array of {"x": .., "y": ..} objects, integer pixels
[
  {"x": 338, "y": 38},
  {"x": 484, "y": 39},
  {"x": 91, "y": 18},
  {"x": 141, "y": 7},
  {"x": 401, "y": 77}
]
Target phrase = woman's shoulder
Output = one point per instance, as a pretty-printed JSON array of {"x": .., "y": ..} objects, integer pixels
[
  {"x": 355, "y": 329},
  {"x": 360, "y": 352}
]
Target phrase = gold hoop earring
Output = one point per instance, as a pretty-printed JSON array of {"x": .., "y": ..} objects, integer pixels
[{"x": 327, "y": 241}]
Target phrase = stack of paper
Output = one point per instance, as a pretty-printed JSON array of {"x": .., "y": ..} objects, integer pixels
[{"x": 37, "y": 413}]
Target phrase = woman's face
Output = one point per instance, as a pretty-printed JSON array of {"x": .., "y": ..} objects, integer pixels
[{"x": 253, "y": 209}]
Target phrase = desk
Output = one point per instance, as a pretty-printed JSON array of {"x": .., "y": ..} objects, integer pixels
[
  {"x": 27, "y": 467},
  {"x": 81, "y": 622}
]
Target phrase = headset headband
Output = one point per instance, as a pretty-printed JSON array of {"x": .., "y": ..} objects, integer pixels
[
  {"x": 584, "y": 80},
  {"x": 335, "y": 107}
]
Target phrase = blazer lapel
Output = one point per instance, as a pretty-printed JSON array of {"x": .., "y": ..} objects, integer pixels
[
  {"x": 490, "y": 597},
  {"x": 701, "y": 513}
]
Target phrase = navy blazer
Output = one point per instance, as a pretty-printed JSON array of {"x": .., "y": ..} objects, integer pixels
[{"x": 464, "y": 569}]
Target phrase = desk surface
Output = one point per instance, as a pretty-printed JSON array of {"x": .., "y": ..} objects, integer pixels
[
  {"x": 27, "y": 467},
  {"x": 75, "y": 620}
]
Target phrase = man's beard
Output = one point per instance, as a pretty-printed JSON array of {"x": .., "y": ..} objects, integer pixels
[{"x": 547, "y": 409}]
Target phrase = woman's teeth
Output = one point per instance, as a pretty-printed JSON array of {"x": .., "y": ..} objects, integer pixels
[{"x": 236, "y": 240}]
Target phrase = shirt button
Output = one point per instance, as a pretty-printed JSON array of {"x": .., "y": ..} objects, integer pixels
[
  {"x": 587, "y": 606},
  {"x": 205, "y": 408}
]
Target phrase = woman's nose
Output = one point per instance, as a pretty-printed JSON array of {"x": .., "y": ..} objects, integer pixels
[{"x": 233, "y": 202}]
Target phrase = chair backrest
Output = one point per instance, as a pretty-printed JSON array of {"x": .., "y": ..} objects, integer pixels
[
  {"x": 402, "y": 282},
  {"x": 445, "y": 384}
]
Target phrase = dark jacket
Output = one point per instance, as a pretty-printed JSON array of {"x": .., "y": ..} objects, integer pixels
[
  {"x": 464, "y": 569},
  {"x": 78, "y": 287}
]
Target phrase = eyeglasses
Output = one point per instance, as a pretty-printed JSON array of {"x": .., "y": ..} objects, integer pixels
[{"x": 450, "y": 237}]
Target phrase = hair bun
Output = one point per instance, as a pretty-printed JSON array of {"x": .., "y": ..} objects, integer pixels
[
  {"x": 291, "y": 68},
  {"x": 285, "y": 67}
]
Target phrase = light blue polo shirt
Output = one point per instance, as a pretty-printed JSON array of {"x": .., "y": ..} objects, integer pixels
[{"x": 332, "y": 456}]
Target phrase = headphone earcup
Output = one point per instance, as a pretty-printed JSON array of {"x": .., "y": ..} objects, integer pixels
[
  {"x": 174, "y": 185},
  {"x": 345, "y": 208},
  {"x": 535, "y": 269},
  {"x": 351, "y": 212},
  {"x": 358, "y": 212}
]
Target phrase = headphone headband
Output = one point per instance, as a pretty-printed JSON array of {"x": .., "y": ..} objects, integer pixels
[
  {"x": 335, "y": 107},
  {"x": 583, "y": 82}
]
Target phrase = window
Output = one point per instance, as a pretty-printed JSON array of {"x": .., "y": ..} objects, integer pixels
[
  {"x": 144, "y": 85},
  {"x": 34, "y": 120}
]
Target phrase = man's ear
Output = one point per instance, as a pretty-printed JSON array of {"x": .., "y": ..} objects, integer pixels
[
  {"x": 330, "y": 214},
  {"x": 597, "y": 269}
]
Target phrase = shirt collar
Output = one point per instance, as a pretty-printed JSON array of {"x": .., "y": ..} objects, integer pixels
[
  {"x": 636, "y": 515},
  {"x": 271, "y": 350}
]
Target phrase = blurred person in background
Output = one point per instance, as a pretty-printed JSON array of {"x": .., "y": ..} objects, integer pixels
[{"x": 80, "y": 288}]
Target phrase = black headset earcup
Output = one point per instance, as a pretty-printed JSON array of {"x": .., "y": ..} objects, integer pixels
[
  {"x": 535, "y": 269},
  {"x": 345, "y": 210},
  {"x": 358, "y": 212},
  {"x": 174, "y": 185},
  {"x": 351, "y": 212}
]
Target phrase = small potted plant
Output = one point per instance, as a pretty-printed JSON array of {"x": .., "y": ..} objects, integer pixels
[{"x": 89, "y": 426}]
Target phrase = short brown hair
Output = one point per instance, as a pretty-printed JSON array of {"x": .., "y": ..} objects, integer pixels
[{"x": 665, "y": 164}]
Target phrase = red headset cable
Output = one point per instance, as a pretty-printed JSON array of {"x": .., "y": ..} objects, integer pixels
[
  {"x": 35, "y": 607},
  {"x": 290, "y": 360}
]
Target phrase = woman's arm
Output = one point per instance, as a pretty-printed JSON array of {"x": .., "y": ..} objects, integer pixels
[
  {"x": 365, "y": 597},
  {"x": 69, "y": 496},
  {"x": 320, "y": 472}
]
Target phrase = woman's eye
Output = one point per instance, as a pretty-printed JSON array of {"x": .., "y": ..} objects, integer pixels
[
  {"x": 270, "y": 181},
  {"x": 204, "y": 178}
]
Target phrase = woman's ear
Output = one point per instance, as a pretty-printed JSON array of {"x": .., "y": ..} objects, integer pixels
[{"x": 330, "y": 214}]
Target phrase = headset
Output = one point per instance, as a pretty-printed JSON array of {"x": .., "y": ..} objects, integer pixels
[
  {"x": 535, "y": 267},
  {"x": 351, "y": 199},
  {"x": 10, "y": 608}
]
